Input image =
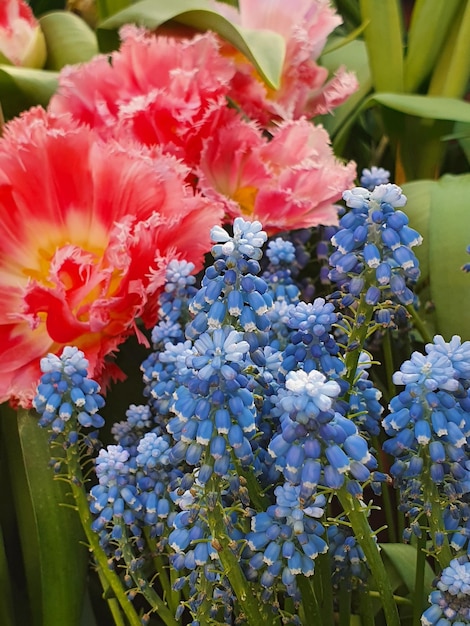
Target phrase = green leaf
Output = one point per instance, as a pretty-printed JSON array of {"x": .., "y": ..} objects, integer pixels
[
  {"x": 50, "y": 532},
  {"x": 354, "y": 56},
  {"x": 403, "y": 558},
  {"x": 449, "y": 236},
  {"x": 439, "y": 210},
  {"x": 430, "y": 107},
  {"x": 384, "y": 40},
  {"x": 21, "y": 88},
  {"x": 69, "y": 39},
  {"x": 430, "y": 23},
  {"x": 265, "y": 49}
]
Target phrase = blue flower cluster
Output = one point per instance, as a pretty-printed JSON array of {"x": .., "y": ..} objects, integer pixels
[
  {"x": 429, "y": 429},
  {"x": 373, "y": 253},
  {"x": 450, "y": 602},
  {"x": 65, "y": 390}
]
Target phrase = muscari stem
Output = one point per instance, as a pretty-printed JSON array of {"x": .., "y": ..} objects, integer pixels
[
  {"x": 357, "y": 338},
  {"x": 141, "y": 582},
  {"x": 418, "y": 595},
  {"x": 100, "y": 557},
  {"x": 254, "y": 611},
  {"x": 357, "y": 516}
]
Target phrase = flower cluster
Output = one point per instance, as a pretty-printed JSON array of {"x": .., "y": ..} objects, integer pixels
[
  {"x": 428, "y": 428},
  {"x": 159, "y": 155},
  {"x": 373, "y": 253}
]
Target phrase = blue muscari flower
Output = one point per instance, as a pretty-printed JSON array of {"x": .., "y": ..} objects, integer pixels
[
  {"x": 285, "y": 539},
  {"x": 374, "y": 241},
  {"x": 432, "y": 413},
  {"x": 374, "y": 176},
  {"x": 348, "y": 562},
  {"x": 281, "y": 252},
  {"x": 65, "y": 389},
  {"x": 450, "y": 602}
]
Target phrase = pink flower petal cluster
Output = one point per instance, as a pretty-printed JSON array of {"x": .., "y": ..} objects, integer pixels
[
  {"x": 156, "y": 90},
  {"x": 288, "y": 182},
  {"x": 21, "y": 39},
  {"x": 305, "y": 89},
  {"x": 88, "y": 228}
]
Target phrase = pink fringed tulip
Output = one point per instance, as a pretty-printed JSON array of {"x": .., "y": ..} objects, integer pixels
[
  {"x": 88, "y": 228},
  {"x": 158, "y": 90},
  {"x": 305, "y": 88},
  {"x": 21, "y": 39},
  {"x": 289, "y": 182}
]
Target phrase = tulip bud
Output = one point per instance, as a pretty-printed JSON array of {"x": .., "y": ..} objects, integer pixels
[{"x": 21, "y": 39}]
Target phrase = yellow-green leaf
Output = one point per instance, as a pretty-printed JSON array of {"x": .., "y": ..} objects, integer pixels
[{"x": 69, "y": 39}]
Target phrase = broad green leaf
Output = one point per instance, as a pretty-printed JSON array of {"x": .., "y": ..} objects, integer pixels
[
  {"x": 384, "y": 40},
  {"x": 403, "y": 558},
  {"x": 21, "y": 88},
  {"x": 69, "y": 39},
  {"x": 50, "y": 532},
  {"x": 429, "y": 27},
  {"x": 449, "y": 236},
  {"x": 439, "y": 210},
  {"x": 430, "y": 107},
  {"x": 265, "y": 49}
]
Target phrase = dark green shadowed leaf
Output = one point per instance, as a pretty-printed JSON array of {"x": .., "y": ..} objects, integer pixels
[
  {"x": 21, "y": 88},
  {"x": 69, "y": 39},
  {"x": 265, "y": 49},
  {"x": 55, "y": 559}
]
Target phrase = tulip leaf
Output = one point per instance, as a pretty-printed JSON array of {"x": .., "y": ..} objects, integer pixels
[
  {"x": 21, "y": 88},
  {"x": 403, "y": 558},
  {"x": 430, "y": 107},
  {"x": 449, "y": 237},
  {"x": 429, "y": 27},
  {"x": 69, "y": 39},
  {"x": 50, "y": 531},
  {"x": 439, "y": 211},
  {"x": 384, "y": 39},
  {"x": 265, "y": 49}
]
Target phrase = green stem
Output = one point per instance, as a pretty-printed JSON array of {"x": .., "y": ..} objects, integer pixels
[
  {"x": 101, "y": 559},
  {"x": 357, "y": 338},
  {"x": 309, "y": 609},
  {"x": 419, "y": 324},
  {"x": 388, "y": 362},
  {"x": 255, "y": 612},
  {"x": 366, "y": 610},
  {"x": 323, "y": 574},
  {"x": 152, "y": 597},
  {"x": 357, "y": 516},
  {"x": 344, "y": 603},
  {"x": 113, "y": 604},
  {"x": 390, "y": 512},
  {"x": 418, "y": 595},
  {"x": 171, "y": 597},
  {"x": 435, "y": 521}
]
